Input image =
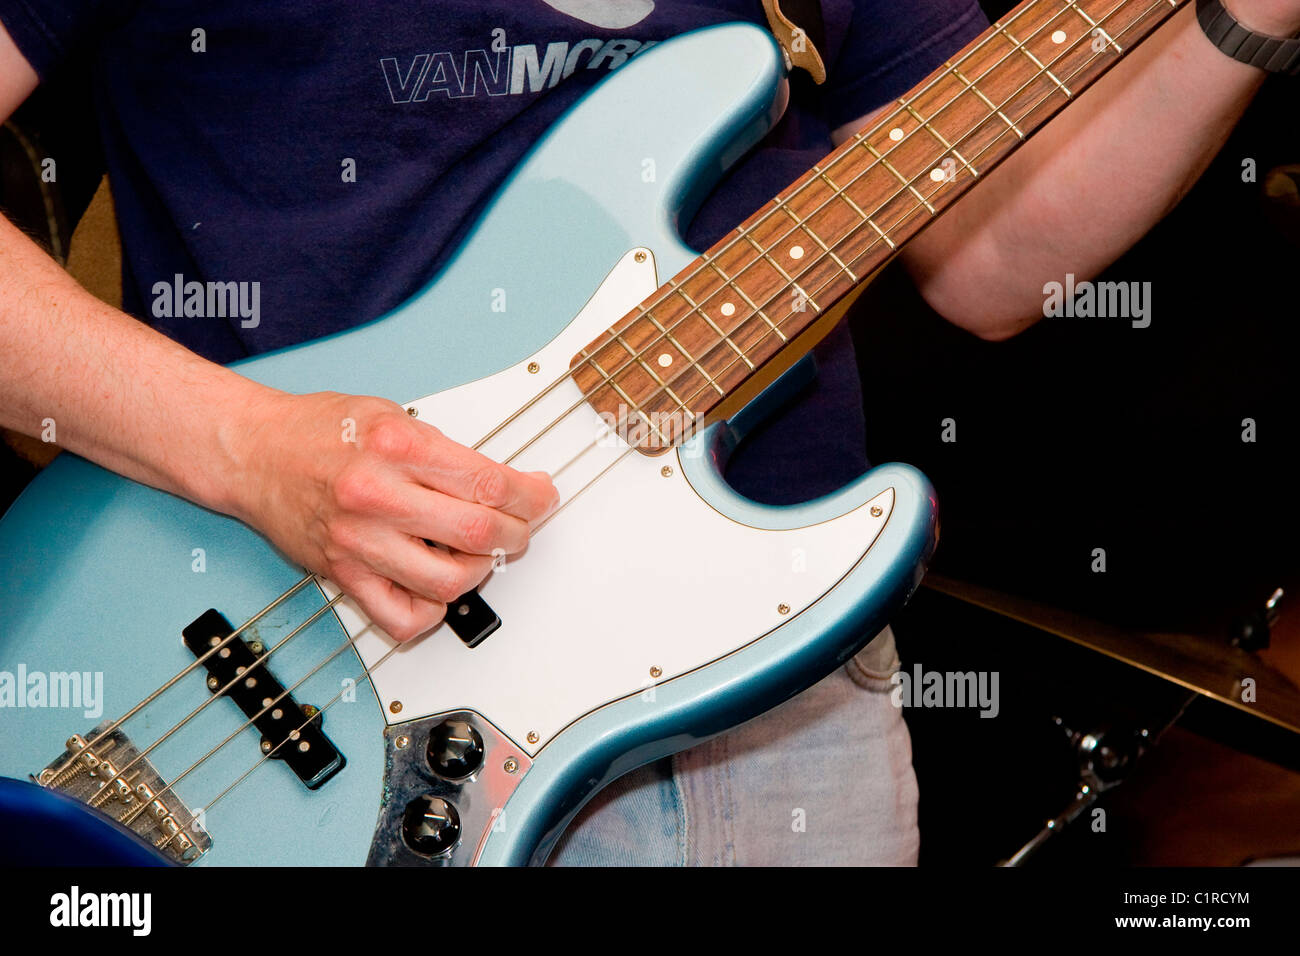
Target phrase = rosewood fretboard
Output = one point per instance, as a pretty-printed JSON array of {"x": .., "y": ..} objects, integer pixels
[{"x": 714, "y": 325}]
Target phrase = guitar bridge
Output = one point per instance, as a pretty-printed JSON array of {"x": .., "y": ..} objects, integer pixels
[{"x": 139, "y": 799}]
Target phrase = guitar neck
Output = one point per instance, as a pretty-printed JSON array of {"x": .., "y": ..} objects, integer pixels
[{"x": 708, "y": 332}]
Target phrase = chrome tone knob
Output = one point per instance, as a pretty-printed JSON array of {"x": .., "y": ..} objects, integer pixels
[{"x": 431, "y": 825}]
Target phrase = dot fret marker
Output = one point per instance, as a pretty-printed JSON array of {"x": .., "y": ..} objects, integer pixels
[
  {"x": 796, "y": 252},
  {"x": 665, "y": 360}
]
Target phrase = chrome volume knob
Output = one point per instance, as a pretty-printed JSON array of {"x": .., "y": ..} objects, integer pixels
[{"x": 455, "y": 749}]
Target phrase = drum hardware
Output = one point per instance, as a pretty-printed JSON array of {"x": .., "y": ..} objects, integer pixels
[
  {"x": 1204, "y": 666},
  {"x": 1106, "y": 756},
  {"x": 1208, "y": 665}
]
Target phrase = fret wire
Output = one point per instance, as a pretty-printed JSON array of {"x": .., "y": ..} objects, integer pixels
[
  {"x": 909, "y": 185},
  {"x": 618, "y": 337},
  {"x": 709, "y": 260},
  {"x": 637, "y": 357},
  {"x": 748, "y": 301},
  {"x": 995, "y": 110},
  {"x": 862, "y": 134},
  {"x": 1037, "y": 62},
  {"x": 790, "y": 280},
  {"x": 662, "y": 384},
  {"x": 592, "y": 360},
  {"x": 948, "y": 147},
  {"x": 805, "y": 224},
  {"x": 704, "y": 315},
  {"x": 781, "y": 203},
  {"x": 885, "y": 121},
  {"x": 836, "y": 191},
  {"x": 633, "y": 406},
  {"x": 1121, "y": 4},
  {"x": 1093, "y": 23},
  {"x": 1025, "y": 86},
  {"x": 764, "y": 254},
  {"x": 681, "y": 348},
  {"x": 843, "y": 194},
  {"x": 818, "y": 239},
  {"x": 987, "y": 102},
  {"x": 612, "y": 382},
  {"x": 901, "y": 178}
]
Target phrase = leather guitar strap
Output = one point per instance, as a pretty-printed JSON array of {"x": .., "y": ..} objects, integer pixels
[{"x": 799, "y": 28}]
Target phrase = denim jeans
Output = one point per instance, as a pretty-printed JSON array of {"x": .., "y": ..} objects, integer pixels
[{"x": 824, "y": 779}]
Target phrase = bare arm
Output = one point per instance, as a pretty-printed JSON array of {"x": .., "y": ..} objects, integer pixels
[
  {"x": 134, "y": 401},
  {"x": 1094, "y": 180}
]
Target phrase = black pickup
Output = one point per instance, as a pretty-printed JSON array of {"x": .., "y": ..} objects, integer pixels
[{"x": 309, "y": 753}]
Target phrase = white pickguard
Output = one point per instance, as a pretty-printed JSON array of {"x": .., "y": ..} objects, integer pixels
[{"x": 637, "y": 572}]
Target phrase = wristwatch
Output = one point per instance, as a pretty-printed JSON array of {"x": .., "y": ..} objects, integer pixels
[{"x": 1275, "y": 54}]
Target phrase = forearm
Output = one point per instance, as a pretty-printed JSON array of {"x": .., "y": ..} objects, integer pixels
[
  {"x": 1093, "y": 181},
  {"x": 107, "y": 387}
]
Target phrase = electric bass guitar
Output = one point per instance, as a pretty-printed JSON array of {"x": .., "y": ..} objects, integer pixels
[{"x": 250, "y": 714}]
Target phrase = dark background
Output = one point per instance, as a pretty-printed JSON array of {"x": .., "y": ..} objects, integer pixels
[{"x": 1090, "y": 433}]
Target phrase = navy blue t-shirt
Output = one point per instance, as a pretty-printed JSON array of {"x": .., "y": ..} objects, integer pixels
[{"x": 226, "y": 164}]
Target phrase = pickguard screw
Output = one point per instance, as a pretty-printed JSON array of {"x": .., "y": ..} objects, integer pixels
[
  {"x": 783, "y": 609},
  {"x": 213, "y": 683},
  {"x": 413, "y": 412},
  {"x": 533, "y": 368},
  {"x": 511, "y": 765},
  {"x": 311, "y": 710},
  {"x": 256, "y": 647},
  {"x": 395, "y": 707},
  {"x": 266, "y": 746},
  {"x": 640, "y": 255},
  {"x": 877, "y": 511},
  {"x": 666, "y": 471},
  {"x": 656, "y": 672},
  {"x": 532, "y": 737},
  {"x": 402, "y": 742}
]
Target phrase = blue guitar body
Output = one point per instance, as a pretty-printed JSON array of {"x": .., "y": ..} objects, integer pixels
[{"x": 616, "y": 645}]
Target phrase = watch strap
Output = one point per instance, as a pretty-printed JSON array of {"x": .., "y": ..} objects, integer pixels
[{"x": 1274, "y": 54}]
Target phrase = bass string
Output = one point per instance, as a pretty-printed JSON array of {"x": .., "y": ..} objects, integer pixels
[
  {"x": 866, "y": 251},
  {"x": 706, "y": 260},
  {"x": 606, "y": 378},
  {"x": 367, "y": 673},
  {"x": 609, "y": 377},
  {"x": 185, "y": 670},
  {"x": 266, "y": 708},
  {"x": 917, "y": 206},
  {"x": 821, "y": 256},
  {"x": 217, "y": 695},
  {"x": 798, "y": 223}
]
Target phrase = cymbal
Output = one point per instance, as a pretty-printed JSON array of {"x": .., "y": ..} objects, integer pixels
[{"x": 1215, "y": 669}]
